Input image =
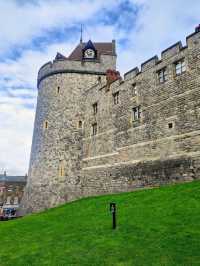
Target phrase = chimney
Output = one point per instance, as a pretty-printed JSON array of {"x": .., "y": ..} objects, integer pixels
[
  {"x": 197, "y": 29},
  {"x": 111, "y": 76},
  {"x": 113, "y": 47},
  {"x": 4, "y": 173}
]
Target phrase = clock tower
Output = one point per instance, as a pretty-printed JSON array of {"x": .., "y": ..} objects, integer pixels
[{"x": 89, "y": 51}]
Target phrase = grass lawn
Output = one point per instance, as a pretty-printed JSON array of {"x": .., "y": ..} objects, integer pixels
[{"x": 155, "y": 227}]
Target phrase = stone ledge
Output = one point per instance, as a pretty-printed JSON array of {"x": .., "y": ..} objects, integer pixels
[
  {"x": 153, "y": 159},
  {"x": 63, "y": 71}
]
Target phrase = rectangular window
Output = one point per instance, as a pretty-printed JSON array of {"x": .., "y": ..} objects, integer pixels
[
  {"x": 94, "y": 129},
  {"x": 170, "y": 125},
  {"x": 116, "y": 97},
  {"x": 180, "y": 67},
  {"x": 162, "y": 75},
  {"x": 45, "y": 124},
  {"x": 136, "y": 113},
  {"x": 80, "y": 124},
  {"x": 95, "y": 108}
]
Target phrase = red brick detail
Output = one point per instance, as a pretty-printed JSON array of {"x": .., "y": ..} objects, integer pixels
[{"x": 112, "y": 75}]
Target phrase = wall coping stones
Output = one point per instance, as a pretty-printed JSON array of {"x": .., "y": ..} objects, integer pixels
[{"x": 172, "y": 50}]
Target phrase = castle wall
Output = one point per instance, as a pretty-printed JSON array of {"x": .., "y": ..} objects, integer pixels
[
  {"x": 59, "y": 145},
  {"x": 162, "y": 146},
  {"x": 127, "y": 154}
]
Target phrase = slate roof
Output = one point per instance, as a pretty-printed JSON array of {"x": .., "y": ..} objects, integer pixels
[
  {"x": 6, "y": 178},
  {"x": 59, "y": 56},
  {"x": 106, "y": 48}
]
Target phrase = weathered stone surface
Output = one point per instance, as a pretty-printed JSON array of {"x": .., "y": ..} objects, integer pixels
[{"x": 124, "y": 154}]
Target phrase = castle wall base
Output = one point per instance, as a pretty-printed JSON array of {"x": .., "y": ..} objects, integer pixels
[
  {"x": 129, "y": 177},
  {"x": 118, "y": 178}
]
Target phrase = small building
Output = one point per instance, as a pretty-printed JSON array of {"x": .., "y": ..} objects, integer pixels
[{"x": 11, "y": 192}]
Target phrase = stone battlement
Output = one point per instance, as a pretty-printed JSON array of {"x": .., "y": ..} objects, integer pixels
[
  {"x": 97, "y": 67},
  {"x": 172, "y": 51}
]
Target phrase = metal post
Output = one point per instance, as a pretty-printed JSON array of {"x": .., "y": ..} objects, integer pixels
[{"x": 113, "y": 210}]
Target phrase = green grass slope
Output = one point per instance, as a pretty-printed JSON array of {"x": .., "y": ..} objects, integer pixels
[{"x": 155, "y": 227}]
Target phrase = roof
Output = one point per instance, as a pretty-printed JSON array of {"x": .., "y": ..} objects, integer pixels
[
  {"x": 6, "y": 178},
  {"x": 89, "y": 45},
  {"x": 106, "y": 48}
]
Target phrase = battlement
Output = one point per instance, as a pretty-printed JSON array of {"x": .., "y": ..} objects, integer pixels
[
  {"x": 131, "y": 73},
  {"x": 97, "y": 67},
  {"x": 174, "y": 50},
  {"x": 171, "y": 51}
]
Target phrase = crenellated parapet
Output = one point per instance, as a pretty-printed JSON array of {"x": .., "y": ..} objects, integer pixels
[
  {"x": 171, "y": 51},
  {"x": 97, "y": 67},
  {"x": 192, "y": 41}
]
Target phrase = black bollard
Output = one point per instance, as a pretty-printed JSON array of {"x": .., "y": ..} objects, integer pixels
[{"x": 113, "y": 211}]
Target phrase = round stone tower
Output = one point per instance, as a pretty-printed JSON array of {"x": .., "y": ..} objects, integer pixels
[{"x": 55, "y": 163}]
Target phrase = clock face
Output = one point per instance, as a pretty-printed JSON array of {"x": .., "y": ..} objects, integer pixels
[{"x": 89, "y": 53}]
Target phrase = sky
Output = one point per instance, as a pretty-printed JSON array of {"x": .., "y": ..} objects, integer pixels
[{"x": 33, "y": 31}]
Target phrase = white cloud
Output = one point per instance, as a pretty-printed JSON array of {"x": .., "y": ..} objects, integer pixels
[
  {"x": 24, "y": 22},
  {"x": 16, "y": 119},
  {"x": 157, "y": 25},
  {"x": 23, "y": 71},
  {"x": 15, "y": 137}
]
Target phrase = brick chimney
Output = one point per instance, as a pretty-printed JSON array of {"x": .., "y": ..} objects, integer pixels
[{"x": 111, "y": 76}]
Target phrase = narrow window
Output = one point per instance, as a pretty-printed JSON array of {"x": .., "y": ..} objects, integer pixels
[
  {"x": 80, "y": 124},
  {"x": 45, "y": 124},
  {"x": 162, "y": 75},
  {"x": 180, "y": 67},
  {"x": 116, "y": 97},
  {"x": 61, "y": 170},
  {"x": 94, "y": 129},
  {"x": 134, "y": 89},
  {"x": 136, "y": 113},
  {"x": 58, "y": 89},
  {"x": 170, "y": 125},
  {"x": 99, "y": 79},
  {"x": 95, "y": 108}
]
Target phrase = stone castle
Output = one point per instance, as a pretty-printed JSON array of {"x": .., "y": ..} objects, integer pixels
[{"x": 98, "y": 133}]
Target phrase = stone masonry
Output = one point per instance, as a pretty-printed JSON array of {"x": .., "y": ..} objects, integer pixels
[{"x": 92, "y": 136}]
